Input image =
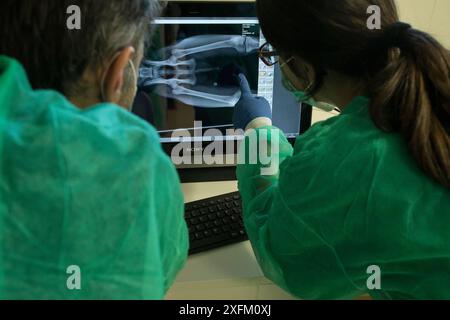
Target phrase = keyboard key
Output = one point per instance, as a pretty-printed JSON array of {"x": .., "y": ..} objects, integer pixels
[
  {"x": 237, "y": 211},
  {"x": 229, "y": 205},
  {"x": 217, "y": 239},
  {"x": 199, "y": 235},
  {"x": 188, "y": 215},
  {"x": 221, "y": 207},
  {"x": 207, "y": 233},
  {"x": 213, "y": 209},
  {"x": 228, "y": 212},
  {"x": 209, "y": 225},
  {"x": 235, "y": 218},
  {"x": 236, "y": 204},
  {"x": 203, "y": 211},
  {"x": 212, "y": 216},
  {"x": 218, "y": 223},
  {"x": 226, "y": 228},
  {"x": 204, "y": 219},
  {"x": 236, "y": 197},
  {"x": 221, "y": 215},
  {"x": 242, "y": 232},
  {"x": 195, "y": 213},
  {"x": 234, "y": 234},
  {"x": 194, "y": 221},
  {"x": 200, "y": 227},
  {"x": 216, "y": 231}
]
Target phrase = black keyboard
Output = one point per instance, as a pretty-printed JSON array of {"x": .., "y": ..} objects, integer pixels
[{"x": 215, "y": 222}]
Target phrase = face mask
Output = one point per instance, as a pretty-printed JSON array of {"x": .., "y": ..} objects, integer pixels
[{"x": 302, "y": 97}]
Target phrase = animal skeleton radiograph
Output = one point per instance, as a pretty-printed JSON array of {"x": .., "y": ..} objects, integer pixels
[{"x": 183, "y": 72}]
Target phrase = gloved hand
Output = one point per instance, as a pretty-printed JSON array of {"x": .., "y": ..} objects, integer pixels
[{"x": 249, "y": 107}]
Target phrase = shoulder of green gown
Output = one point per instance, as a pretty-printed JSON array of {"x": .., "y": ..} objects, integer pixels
[
  {"x": 352, "y": 142},
  {"x": 17, "y": 98},
  {"x": 353, "y": 125},
  {"x": 106, "y": 125}
]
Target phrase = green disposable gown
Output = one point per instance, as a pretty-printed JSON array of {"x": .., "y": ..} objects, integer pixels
[
  {"x": 90, "y": 206},
  {"x": 348, "y": 213}
]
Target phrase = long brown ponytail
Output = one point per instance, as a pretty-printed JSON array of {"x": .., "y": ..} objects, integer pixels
[
  {"x": 407, "y": 71},
  {"x": 411, "y": 95}
]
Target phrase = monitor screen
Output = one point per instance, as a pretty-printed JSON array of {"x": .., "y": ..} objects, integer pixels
[{"x": 187, "y": 78}]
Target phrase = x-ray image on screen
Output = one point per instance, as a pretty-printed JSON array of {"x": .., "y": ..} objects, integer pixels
[
  {"x": 197, "y": 71},
  {"x": 188, "y": 74}
]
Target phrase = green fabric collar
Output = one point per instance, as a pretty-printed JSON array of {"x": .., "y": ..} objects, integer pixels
[
  {"x": 12, "y": 75},
  {"x": 356, "y": 105}
]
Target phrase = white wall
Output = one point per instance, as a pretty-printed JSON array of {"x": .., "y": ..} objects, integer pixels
[{"x": 432, "y": 16}]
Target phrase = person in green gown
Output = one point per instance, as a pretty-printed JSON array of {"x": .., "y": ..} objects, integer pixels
[{"x": 361, "y": 204}]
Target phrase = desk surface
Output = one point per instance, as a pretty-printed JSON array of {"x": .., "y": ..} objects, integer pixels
[
  {"x": 229, "y": 273},
  {"x": 235, "y": 261}
]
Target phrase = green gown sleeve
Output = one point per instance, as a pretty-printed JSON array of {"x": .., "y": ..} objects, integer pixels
[{"x": 290, "y": 252}]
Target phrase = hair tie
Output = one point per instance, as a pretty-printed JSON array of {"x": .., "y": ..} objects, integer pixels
[{"x": 394, "y": 35}]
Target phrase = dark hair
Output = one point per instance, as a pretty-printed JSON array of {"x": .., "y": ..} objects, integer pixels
[
  {"x": 36, "y": 34},
  {"x": 407, "y": 71}
]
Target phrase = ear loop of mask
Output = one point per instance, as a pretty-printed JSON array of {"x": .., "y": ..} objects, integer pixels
[
  {"x": 102, "y": 84},
  {"x": 304, "y": 96},
  {"x": 135, "y": 82},
  {"x": 287, "y": 83},
  {"x": 133, "y": 68}
]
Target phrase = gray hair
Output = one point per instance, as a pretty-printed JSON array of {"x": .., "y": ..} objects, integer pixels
[{"x": 36, "y": 34}]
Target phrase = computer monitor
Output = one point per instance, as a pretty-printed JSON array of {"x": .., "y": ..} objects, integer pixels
[{"x": 187, "y": 85}]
